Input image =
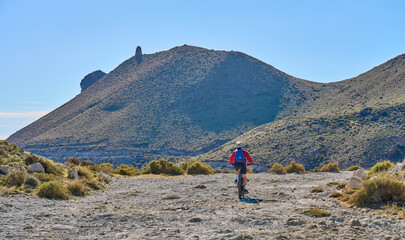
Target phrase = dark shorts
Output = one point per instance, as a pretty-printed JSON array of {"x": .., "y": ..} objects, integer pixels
[{"x": 241, "y": 166}]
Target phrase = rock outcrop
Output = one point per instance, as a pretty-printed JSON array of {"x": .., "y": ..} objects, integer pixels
[
  {"x": 138, "y": 54},
  {"x": 37, "y": 167},
  {"x": 74, "y": 174},
  {"x": 91, "y": 78}
]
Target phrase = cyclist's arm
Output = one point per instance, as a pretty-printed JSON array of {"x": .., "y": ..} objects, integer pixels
[
  {"x": 232, "y": 158},
  {"x": 248, "y": 157}
]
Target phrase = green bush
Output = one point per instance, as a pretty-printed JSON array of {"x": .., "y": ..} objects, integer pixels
[
  {"x": 277, "y": 168},
  {"x": 14, "y": 178},
  {"x": 381, "y": 167},
  {"x": 107, "y": 168},
  {"x": 198, "y": 167},
  {"x": 295, "y": 167},
  {"x": 77, "y": 188},
  {"x": 163, "y": 166},
  {"x": 54, "y": 190},
  {"x": 353, "y": 168},
  {"x": 379, "y": 189},
  {"x": 330, "y": 167},
  {"x": 31, "y": 182},
  {"x": 44, "y": 177},
  {"x": 126, "y": 170}
]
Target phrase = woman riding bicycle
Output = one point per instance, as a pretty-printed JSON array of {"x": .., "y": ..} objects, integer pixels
[{"x": 238, "y": 160}]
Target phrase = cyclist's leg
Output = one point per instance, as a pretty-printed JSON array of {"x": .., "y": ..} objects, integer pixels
[{"x": 244, "y": 179}]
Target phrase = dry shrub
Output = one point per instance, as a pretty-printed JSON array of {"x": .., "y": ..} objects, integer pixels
[
  {"x": 94, "y": 184},
  {"x": 72, "y": 161},
  {"x": 294, "y": 167},
  {"x": 126, "y": 170},
  {"x": 3, "y": 153},
  {"x": 353, "y": 168},
  {"x": 163, "y": 166},
  {"x": 332, "y": 183},
  {"x": 44, "y": 177},
  {"x": 316, "y": 212},
  {"x": 381, "y": 167},
  {"x": 379, "y": 189},
  {"x": 84, "y": 172},
  {"x": 317, "y": 190},
  {"x": 330, "y": 167},
  {"x": 277, "y": 168},
  {"x": 341, "y": 186},
  {"x": 198, "y": 167},
  {"x": 14, "y": 178},
  {"x": 54, "y": 190},
  {"x": 336, "y": 195},
  {"x": 91, "y": 165},
  {"x": 107, "y": 168},
  {"x": 77, "y": 188},
  {"x": 31, "y": 182}
]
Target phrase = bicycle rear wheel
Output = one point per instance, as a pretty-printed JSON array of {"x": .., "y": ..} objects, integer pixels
[{"x": 240, "y": 186}]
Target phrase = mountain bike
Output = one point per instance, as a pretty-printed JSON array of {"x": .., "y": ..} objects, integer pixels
[{"x": 241, "y": 185}]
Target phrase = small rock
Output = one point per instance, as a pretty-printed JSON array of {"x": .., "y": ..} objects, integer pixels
[
  {"x": 355, "y": 223},
  {"x": 74, "y": 174},
  {"x": 295, "y": 222},
  {"x": 104, "y": 177},
  {"x": 16, "y": 167},
  {"x": 4, "y": 170},
  {"x": 354, "y": 183},
  {"x": 360, "y": 173},
  {"x": 37, "y": 167},
  {"x": 195, "y": 220}
]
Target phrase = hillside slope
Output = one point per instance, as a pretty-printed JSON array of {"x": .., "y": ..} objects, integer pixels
[
  {"x": 356, "y": 121},
  {"x": 184, "y": 101}
]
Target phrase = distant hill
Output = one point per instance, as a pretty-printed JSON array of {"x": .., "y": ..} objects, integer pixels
[
  {"x": 356, "y": 121},
  {"x": 181, "y": 102}
]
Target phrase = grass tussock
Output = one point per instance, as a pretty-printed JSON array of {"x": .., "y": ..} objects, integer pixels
[
  {"x": 199, "y": 168},
  {"x": 377, "y": 190},
  {"x": 278, "y": 169},
  {"x": 163, "y": 166},
  {"x": 332, "y": 184},
  {"x": 126, "y": 170},
  {"x": 84, "y": 172},
  {"x": 76, "y": 188},
  {"x": 330, "y": 167},
  {"x": 381, "y": 167},
  {"x": 171, "y": 198},
  {"x": 353, "y": 168},
  {"x": 53, "y": 189},
  {"x": 44, "y": 177},
  {"x": 341, "y": 186},
  {"x": 200, "y": 186},
  {"x": 295, "y": 168},
  {"x": 31, "y": 182},
  {"x": 314, "y": 212},
  {"x": 336, "y": 195},
  {"x": 317, "y": 190}
]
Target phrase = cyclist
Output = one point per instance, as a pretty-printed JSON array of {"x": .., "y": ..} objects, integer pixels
[{"x": 238, "y": 160}]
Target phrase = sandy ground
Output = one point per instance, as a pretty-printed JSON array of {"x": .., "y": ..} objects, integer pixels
[{"x": 154, "y": 207}]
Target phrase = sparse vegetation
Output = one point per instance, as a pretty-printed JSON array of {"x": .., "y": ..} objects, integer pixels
[
  {"x": 341, "y": 186},
  {"x": 336, "y": 195},
  {"x": 353, "y": 168},
  {"x": 54, "y": 190},
  {"x": 316, "y": 213},
  {"x": 198, "y": 167},
  {"x": 126, "y": 170},
  {"x": 379, "y": 189},
  {"x": 163, "y": 166},
  {"x": 200, "y": 186},
  {"x": 278, "y": 168},
  {"x": 332, "y": 183},
  {"x": 330, "y": 167},
  {"x": 295, "y": 168},
  {"x": 171, "y": 198},
  {"x": 381, "y": 167},
  {"x": 317, "y": 190},
  {"x": 14, "y": 178}
]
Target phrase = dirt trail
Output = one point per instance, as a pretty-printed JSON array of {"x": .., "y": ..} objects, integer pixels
[{"x": 148, "y": 207}]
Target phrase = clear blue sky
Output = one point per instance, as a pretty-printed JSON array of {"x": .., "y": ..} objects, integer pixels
[{"x": 48, "y": 46}]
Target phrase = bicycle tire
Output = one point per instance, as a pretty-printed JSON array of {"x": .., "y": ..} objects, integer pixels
[{"x": 240, "y": 186}]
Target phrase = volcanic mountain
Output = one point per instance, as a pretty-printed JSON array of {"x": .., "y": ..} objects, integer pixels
[
  {"x": 181, "y": 102},
  {"x": 188, "y": 101}
]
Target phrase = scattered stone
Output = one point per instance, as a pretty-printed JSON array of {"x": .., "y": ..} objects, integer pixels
[
  {"x": 104, "y": 177},
  {"x": 37, "y": 167},
  {"x": 360, "y": 173},
  {"x": 295, "y": 222},
  {"x": 16, "y": 167},
  {"x": 4, "y": 170},
  {"x": 354, "y": 183},
  {"x": 355, "y": 223},
  {"x": 74, "y": 174},
  {"x": 195, "y": 220}
]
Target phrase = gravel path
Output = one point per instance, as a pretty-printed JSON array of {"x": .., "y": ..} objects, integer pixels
[{"x": 154, "y": 207}]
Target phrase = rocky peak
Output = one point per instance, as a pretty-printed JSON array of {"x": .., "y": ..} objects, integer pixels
[
  {"x": 91, "y": 78},
  {"x": 138, "y": 54}
]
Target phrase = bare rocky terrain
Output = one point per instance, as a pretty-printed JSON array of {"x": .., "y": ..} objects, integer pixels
[{"x": 155, "y": 207}]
